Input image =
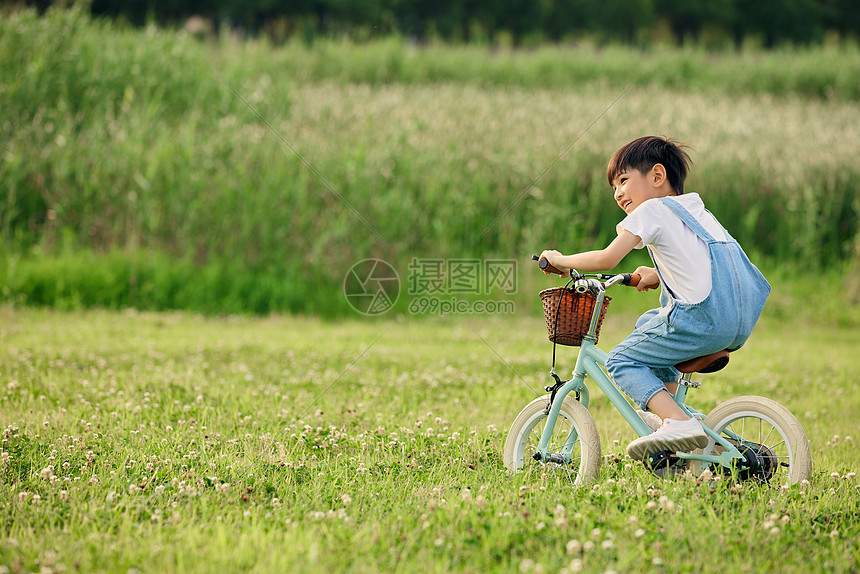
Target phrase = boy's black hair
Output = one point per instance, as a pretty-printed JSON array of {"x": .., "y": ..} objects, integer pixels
[{"x": 643, "y": 153}]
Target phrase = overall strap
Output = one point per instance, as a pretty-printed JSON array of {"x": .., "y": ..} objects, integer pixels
[
  {"x": 660, "y": 275},
  {"x": 688, "y": 219}
]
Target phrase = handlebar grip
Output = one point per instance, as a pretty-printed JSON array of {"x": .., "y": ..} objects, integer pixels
[
  {"x": 544, "y": 264},
  {"x": 633, "y": 279}
]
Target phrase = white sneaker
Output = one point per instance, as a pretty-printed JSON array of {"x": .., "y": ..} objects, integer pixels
[
  {"x": 653, "y": 421},
  {"x": 671, "y": 436}
]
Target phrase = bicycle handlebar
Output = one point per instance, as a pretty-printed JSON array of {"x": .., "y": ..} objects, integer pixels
[
  {"x": 633, "y": 279},
  {"x": 544, "y": 264},
  {"x": 629, "y": 279}
]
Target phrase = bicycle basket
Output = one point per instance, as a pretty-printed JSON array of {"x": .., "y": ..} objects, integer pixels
[{"x": 574, "y": 314}]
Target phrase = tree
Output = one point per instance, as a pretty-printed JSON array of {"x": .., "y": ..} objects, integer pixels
[{"x": 688, "y": 17}]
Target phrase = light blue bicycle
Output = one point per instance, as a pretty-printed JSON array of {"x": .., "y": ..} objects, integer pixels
[{"x": 750, "y": 437}]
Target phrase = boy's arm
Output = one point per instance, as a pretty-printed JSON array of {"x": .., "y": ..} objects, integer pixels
[{"x": 598, "y": 260}]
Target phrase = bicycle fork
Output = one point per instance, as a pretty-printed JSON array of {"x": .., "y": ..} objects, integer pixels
[{"x": 558, "y": 392}]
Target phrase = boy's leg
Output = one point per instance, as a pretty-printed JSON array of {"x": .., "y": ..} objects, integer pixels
[
  {"x": 678, "y": 432},
  {"x": 665, "y": 407},
  {"x": 638, "y": 379},
  {"x": 672, "y": 388},
  {"x": 642, "y": 366},
  {"x": 643, "y": 363}
]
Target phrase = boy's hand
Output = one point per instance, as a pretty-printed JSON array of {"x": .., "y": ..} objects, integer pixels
[
  {"x": 552, "y": 256},
  {"x": 649, "y": 278}
]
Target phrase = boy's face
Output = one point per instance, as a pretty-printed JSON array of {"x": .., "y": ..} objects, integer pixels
[{"x": 632, "y": 187}]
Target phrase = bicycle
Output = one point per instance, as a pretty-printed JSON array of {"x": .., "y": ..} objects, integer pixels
[{"x": 750, "y": 437}]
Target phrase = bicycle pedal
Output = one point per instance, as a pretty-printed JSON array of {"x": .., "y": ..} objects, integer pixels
[
  {"x": 665, "y": 464},
  {"x": 691, "y": 384}
]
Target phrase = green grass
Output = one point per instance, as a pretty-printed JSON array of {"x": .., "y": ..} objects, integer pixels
[
  {"x": 149, "y": 145},
  {"x": 171, "y": 442}
]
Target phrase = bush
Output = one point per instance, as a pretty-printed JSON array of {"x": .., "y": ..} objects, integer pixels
[{"x": 145, "y": 168}]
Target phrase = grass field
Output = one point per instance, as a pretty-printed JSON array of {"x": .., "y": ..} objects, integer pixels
[
  {"x": 148, "y": 170},
  {"x": 169, "y": 442}
]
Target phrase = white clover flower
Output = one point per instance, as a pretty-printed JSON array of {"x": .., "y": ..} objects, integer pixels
[
  {"x": 574, "y": 547},
  {"x": 666, "y": 504}
]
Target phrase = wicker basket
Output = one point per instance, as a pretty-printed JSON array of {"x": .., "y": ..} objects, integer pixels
[{"x": 574, "y": 315}]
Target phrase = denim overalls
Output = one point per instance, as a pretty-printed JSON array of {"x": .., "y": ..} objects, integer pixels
[{"x": 644, "y": 361}]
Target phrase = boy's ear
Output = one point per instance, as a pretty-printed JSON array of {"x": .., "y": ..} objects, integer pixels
[{"x": 658, "y": 175}]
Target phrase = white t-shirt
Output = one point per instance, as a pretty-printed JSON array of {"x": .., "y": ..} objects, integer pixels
[{"x": 681, "y": 256}]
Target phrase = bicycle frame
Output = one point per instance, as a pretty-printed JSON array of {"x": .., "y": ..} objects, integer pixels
[{"x": 591, "y": 361}]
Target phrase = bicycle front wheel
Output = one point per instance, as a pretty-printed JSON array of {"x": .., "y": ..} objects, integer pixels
[
  {"x": 775, "y": 448},
  {"x": 575, "y": 443}
]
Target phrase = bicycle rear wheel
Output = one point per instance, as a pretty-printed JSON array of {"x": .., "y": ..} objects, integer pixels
[
  {"x": 579, "y": 449},
  {"x": 776, "y": 450}
]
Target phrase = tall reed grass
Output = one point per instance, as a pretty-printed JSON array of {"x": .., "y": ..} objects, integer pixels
[{"x": 150, "y": 169}]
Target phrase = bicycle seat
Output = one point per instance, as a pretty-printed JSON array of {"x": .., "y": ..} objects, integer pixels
[{"x": 705, "y": 364}]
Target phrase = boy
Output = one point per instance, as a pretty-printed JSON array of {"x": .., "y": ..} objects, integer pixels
[{"x": 711, "y": 294}]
